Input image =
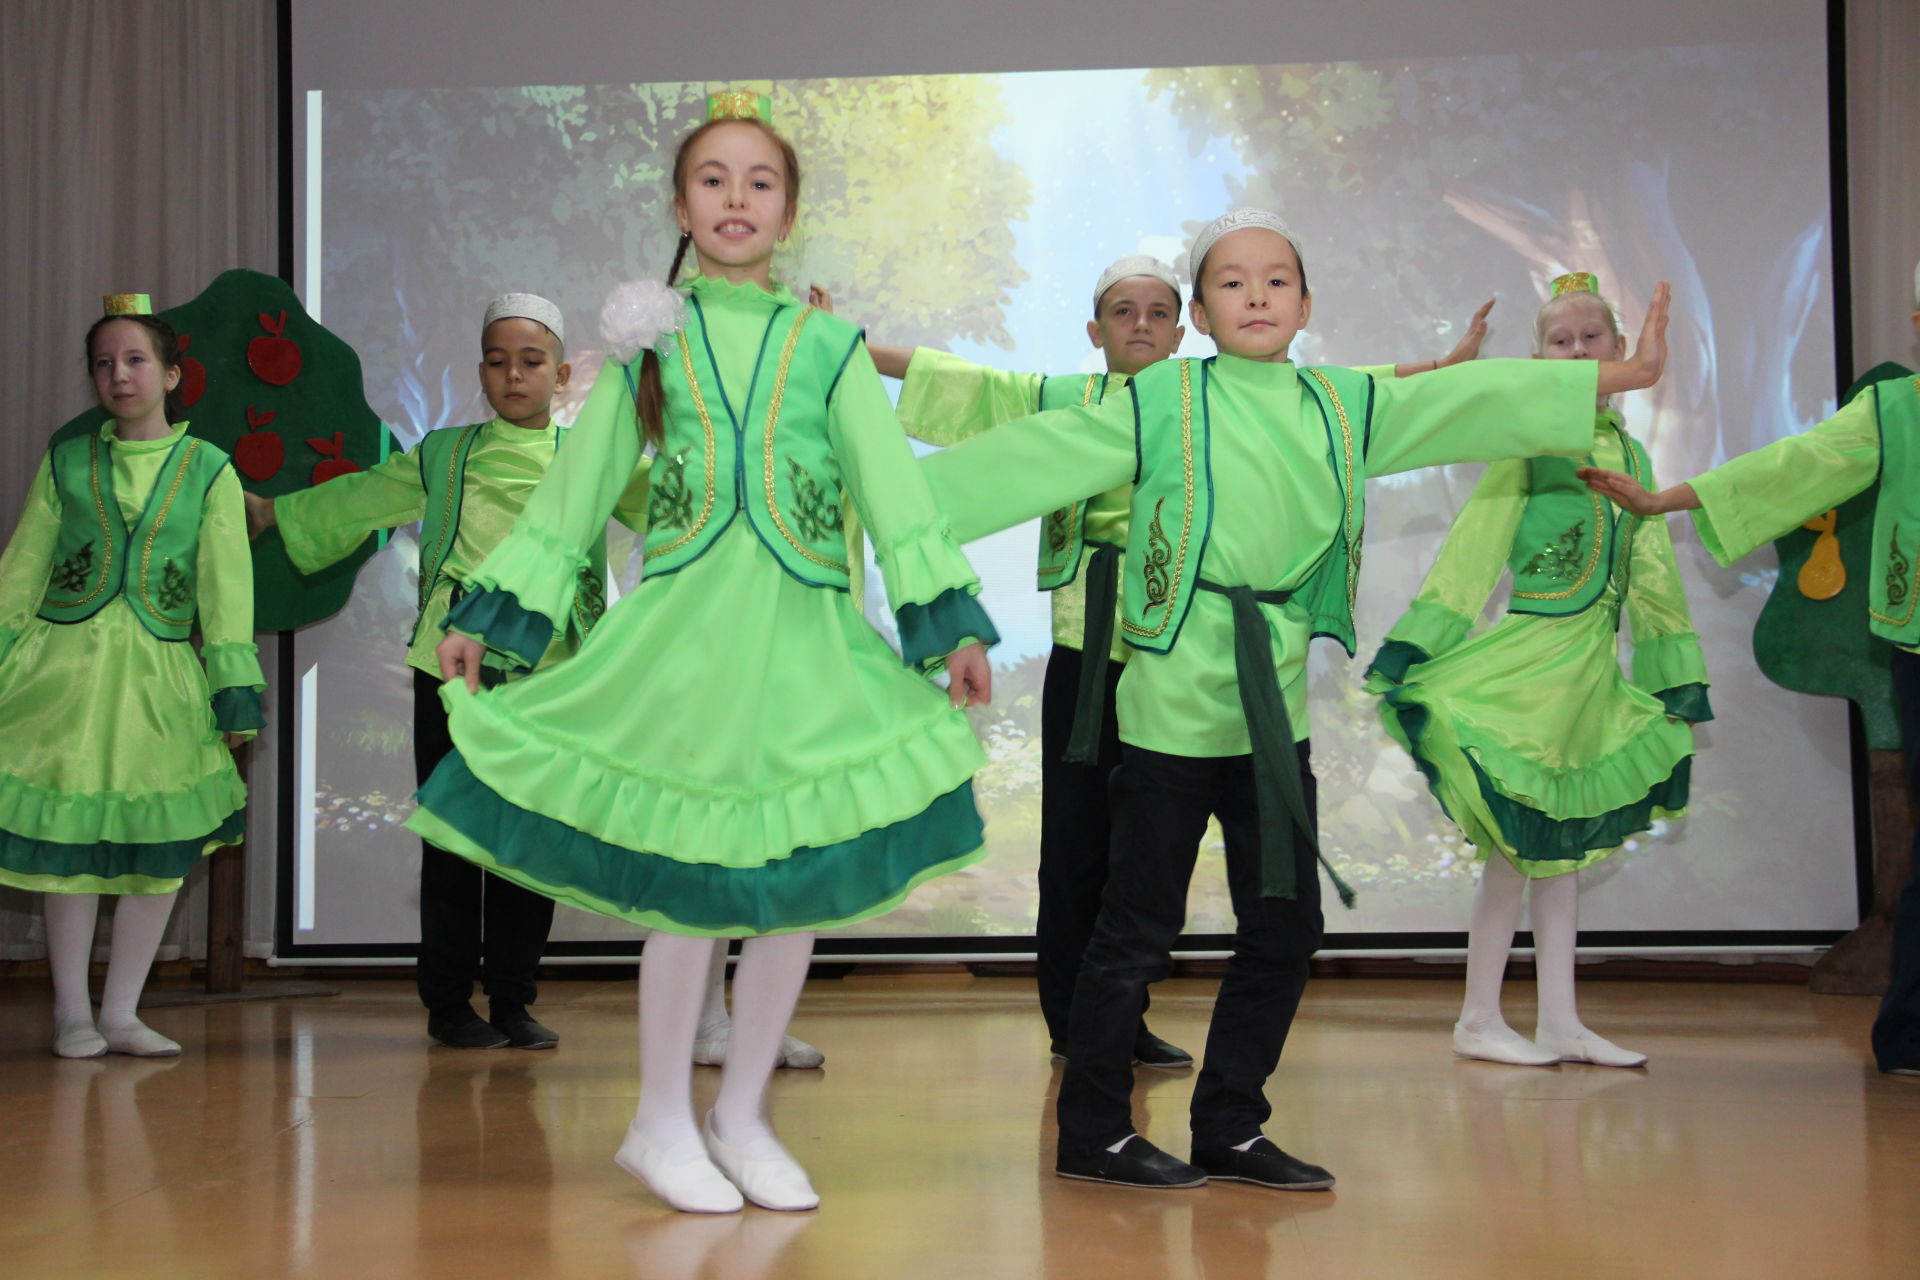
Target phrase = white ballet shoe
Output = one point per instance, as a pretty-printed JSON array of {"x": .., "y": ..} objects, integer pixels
[
  {"x": 798, "y": 1055},
  {"x": 138, "y": 1040},
  {"x": 78, "y": 1040},
  {"x": 1498, "y": 1042},
  {"x": 769, "y": 1176},
  {"x": 1585, "y": 1046},
  {"x": 682, "y": 1175}
]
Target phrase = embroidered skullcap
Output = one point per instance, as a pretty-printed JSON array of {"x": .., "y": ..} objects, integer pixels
[
  {"x": 526, "y": 306},
  {"x": 1238, "y": 220},
  {"x": 1134, "y": 264}
]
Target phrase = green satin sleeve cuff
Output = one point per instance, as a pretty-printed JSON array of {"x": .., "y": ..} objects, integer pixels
[
  {"x": 238, "y": 711},
  {"x": 1687, "y": 702},
  {"x": 496, "y": 618},
  {"x": 1669, "y": 662},
  {"x": 1431, "y": 628},
  {"x": 232, "y": 665},
  {"x": 930, "y": 632},
  {"x": 1394, "y": 660},
  {"x": 7, "y": 636}
]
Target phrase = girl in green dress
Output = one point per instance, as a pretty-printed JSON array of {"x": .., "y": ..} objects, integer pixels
[
  {"x": 1529, "y": 734},
  {"x": 118, "y": 777},
  {"x": 734, "y": 752}
]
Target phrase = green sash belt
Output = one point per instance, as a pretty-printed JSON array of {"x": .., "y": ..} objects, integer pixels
[
  {"x": 1276, "y": 769},
  {"x": 1096, "y": 653}
]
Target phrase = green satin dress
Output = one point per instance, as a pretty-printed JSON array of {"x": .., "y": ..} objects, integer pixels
[
  {"x": 732, "y": 752},
  {"x": 1529, "y": 733},
  {"x": 115, "y": 777}
]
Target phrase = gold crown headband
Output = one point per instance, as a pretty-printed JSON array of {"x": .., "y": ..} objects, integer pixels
[
  {"x": 126, "y": 304},
  {"x": 739, "y": 104},
  {"x": 1573, "y": 282}
]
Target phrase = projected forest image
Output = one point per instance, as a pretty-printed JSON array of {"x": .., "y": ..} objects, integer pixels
[{"x": 973, "y": 213}]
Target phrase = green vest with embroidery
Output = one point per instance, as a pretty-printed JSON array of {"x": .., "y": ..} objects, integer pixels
[
  {"x": 1571, "y": 541},
  {"x": 1063, "y": 534},
  {"x": 154, "y": 564},
  {"x": 443, "y": 458},
  {"x": 768, "y": 460},
  {"x": 1893, "y": 583},
  {"x": 1172, "y": 514}
]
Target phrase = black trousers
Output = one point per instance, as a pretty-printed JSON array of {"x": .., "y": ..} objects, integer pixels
[
  {"x": 472, "y": 924},
  {"x": 1896, "y": 1031},
  {"x": 1160, "y": 808},
  {"x": 1075, "y": 834}
]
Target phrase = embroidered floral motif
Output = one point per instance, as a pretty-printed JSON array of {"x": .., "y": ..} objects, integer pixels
[
  {"x": 589, "y": 598},
  {"x": 72, "y": 573},
  {"x": 1563, "y": 557},
  {"x": 1059, "y": 529},
  {"x": 813, "y": 511},
  {"x": 1899, "y": 570},
  {"x": 1159, "y": 556},
  {"x": 670, "y": 506},
  {"x": 175, "y": 591}
]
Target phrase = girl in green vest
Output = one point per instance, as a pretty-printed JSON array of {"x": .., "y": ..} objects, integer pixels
[
  {"x": 1529, "y": 734},
  {"x": 735, "y": 752},
  {"x": 119, "y": 776}
]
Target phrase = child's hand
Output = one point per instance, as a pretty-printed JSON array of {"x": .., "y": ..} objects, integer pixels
[
  {"x": 460, "y": 657},
  {"x": 235, "y": 741},
  {"x": 260, "y": 515},
  {"x": 1468, "y": 348},
  {"x": 969, "y": 678},
  {"x": 818, "y": 297},
  {"x": 1633, "y": 496}
]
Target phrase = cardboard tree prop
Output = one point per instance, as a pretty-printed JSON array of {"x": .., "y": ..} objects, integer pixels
[{"x": 267, "y": 383}]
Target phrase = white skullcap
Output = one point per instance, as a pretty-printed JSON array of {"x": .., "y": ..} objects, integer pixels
[
  {"x": 1238, "y": 220},
  {"x": 526, "y": 306},
  {"x": 1134, "y": 264}
]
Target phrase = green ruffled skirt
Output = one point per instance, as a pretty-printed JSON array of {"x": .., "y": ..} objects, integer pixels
[
  {"x": 1536, "y": 744},
  {"x": 730, "y": 753},
  {"x": 113, "y": 778}
]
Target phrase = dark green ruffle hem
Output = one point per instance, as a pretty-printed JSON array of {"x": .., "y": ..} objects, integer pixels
[
  {"x": 24, "y": 856},
  {"x": 1535, "y": 836},
  {"x": 237, "y": 710},
  {"x": 812, "y": 887},
  {"x": 1687, "y": 702},
  {"x": 929, "y": 632},
  {"x": 497, "y": 618}
]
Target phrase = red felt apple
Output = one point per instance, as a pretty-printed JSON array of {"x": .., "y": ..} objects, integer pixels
[
  {"x": 259, "y": 454},
  {"x": 274, "y": 359},
  {"x": 337, "y": 463},
  {"x": 193, "y": 375}
]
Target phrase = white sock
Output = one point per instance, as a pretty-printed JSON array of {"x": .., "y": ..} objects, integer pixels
[
  {"x": 1247, "y": 1145},
  {"x": 1115, "y": 1148}
]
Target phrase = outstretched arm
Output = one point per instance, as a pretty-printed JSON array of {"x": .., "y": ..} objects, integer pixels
[{"x": 1468, "y": 348}]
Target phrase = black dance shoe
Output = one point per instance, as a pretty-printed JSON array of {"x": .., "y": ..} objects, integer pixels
[
  {"x": 517, "y": 1025},
  {"x": 1149, "y": 1050},
  {"x": 462, "y": 1028},
  {"x": 1262, "y": 1164},
  {"x": 1138, "y": 1164}
]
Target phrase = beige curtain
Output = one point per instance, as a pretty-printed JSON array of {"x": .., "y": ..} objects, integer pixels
[
  {"x": 138, "y": 154},
  {"x": 1883, "y": 156}
]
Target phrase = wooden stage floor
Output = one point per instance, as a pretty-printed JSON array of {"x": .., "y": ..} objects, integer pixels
[{"x": 324, "y": 1138}]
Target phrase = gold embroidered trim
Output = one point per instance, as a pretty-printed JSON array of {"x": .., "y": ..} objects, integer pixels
[
  {"x": 1346, "y": 445},
  {"x": 1061, "y": 524},
  {"x": 1599, "y": 537},
  {"x": 706, "y": 428},
  {"x": 1899, "y": 569},
  {"x": 159, "y": 519},
  {"x": 106, "y": 530},
  {"x": 1186, "y": 515},
  {"x": 766, "y": 447}
]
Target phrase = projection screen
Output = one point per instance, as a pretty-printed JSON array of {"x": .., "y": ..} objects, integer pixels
[{"x": 1425, "y": 162}]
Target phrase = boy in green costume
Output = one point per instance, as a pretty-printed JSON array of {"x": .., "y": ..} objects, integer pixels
[
  {"x": 467, "y": 486},
  {"x": 1243, "y": 542},
  {"x": 945, "y": 400},
  {"x": 1762, "y": 495}
]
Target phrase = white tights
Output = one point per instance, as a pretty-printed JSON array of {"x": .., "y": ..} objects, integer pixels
[{"x": 139, "y": 920}]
